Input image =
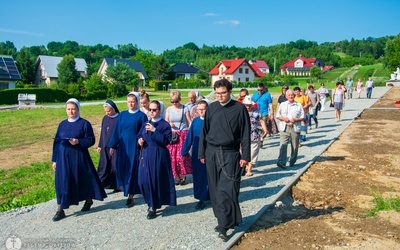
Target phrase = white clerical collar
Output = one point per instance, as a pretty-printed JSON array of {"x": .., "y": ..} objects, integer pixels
[
  {"x": 156, "y": 120},
  {"x": 74, "y": 119},
  {"x": 202, "y": 117},
  {"x": 113, "y": 116},
  {"x": 133, "y": 111},
  {"x": 223, "y": 104}
]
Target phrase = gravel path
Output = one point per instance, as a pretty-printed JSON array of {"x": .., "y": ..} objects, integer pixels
[{"x": 109, "y": 225}]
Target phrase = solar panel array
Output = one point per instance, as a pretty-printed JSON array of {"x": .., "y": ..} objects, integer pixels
[{"x": 8, "y": 69}]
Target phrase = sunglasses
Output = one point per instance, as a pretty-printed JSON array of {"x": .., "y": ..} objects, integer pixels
[
  {"x": 174, "y": 102},
  {"x": 153, "y": 110}
]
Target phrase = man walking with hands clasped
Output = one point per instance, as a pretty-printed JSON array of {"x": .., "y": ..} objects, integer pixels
[{"x": 224, "y": 147}]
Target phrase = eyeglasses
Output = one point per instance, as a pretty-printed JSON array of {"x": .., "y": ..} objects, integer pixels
[
  {"x": 174, "y": 102},
  {"x": 221, "y": 93},
  {"x": 131, "y": 102},
  {"x": 201, "y": 109},
  {"x": 153, "y": 110}
]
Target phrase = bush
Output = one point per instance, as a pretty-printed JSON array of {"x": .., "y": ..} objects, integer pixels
[{"x": 10, "y": 96}]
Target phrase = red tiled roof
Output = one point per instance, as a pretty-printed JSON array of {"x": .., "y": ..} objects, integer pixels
[
  {"x": 233, "y": 65},
  {"x": 259, "y": 63},
  {"x": 307, "y": 62},
  {"x": 327, "y": 68}
]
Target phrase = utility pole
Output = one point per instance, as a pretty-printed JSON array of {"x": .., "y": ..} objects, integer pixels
[{"x": 274, "y": 65}]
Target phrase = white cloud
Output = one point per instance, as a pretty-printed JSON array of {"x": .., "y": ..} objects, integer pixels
[
  {"x": 210, "y": 14},
  {"x": 21, "y": 32},
  {"x": 231, "y": 22}
]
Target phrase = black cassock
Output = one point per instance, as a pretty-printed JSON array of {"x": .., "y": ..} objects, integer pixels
[{"x": 226, "y": 133}]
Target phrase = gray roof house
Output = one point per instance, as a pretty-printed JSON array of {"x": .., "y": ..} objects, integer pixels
[
  {"x": 9, "y": 73},
  {"x": 186, "y": 70},
  {"x": 46, "y": 68},
  {"x": 133, "y": 64}
]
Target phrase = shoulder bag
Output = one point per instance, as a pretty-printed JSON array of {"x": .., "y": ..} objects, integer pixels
[{"x": 175, "y": 136}]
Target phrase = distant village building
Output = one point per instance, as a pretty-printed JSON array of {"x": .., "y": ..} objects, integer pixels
[
  {"x": 262, "y": 65},
  {"x": 239, "y": 70},
  {"x": 185, "y": 70},
  {"x": 301, "y": 66},
  {"x": 9, "y": 73},
  {"x": 133, "y": 64},
  {"x": 46, "y": 69}
]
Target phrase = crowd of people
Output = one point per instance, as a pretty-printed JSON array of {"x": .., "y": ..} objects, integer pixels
[{"x": 148, "y": 150}]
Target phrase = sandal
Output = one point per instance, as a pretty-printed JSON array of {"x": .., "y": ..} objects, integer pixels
[{"x": 249, "y": 174}]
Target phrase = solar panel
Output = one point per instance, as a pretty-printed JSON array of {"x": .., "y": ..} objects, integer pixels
[{"x": 8, "y": 69}]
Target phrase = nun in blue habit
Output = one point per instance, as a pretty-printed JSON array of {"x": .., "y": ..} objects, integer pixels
[
  {"x": 106, "y": 168},
  {"x": 199, "y": 170},
  {"x": 123, "y": 145},
  {"x": 76, "y": 178},
  {"x": 156, "y": 181}
]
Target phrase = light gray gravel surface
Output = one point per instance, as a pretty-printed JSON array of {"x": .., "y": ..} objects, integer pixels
[{"x": 109, "y": 225}]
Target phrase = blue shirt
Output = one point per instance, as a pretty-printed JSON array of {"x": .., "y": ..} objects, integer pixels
[{"x": 262, "y": 101}]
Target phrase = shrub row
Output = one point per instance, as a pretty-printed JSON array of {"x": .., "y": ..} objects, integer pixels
[{"x": 10, "y": 96}]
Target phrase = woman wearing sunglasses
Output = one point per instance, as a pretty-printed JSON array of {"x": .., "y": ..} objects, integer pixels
[
  {"x": 178, "y": 116},
  {"x": 156, "y": 182}
]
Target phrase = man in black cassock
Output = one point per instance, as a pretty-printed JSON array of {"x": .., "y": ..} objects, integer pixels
[{"x": 225, "y": 148}]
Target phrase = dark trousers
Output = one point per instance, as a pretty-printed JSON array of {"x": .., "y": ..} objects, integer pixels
[
  {"x": 313, "y": 116},
  {"x": 369, "y": 93},
  {"x": 223, "y": 174}
]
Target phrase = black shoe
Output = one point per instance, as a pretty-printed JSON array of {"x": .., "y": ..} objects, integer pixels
[
  {"x": 222, "y": 234},
  {"x": 281, "y": 165},
  {"x": 177, "y": 182},
  {"x": 216, "y": 229},
  {"x": 59, "y": 215},
  {"x": 151, "y": 214},
  {"x": 129, "y": 203},
  {"x": 116, "y": 190},
  {"x": 86, "y": 206},
  {"x": 200, "y": 205},
  {"x": 182, "y": 181}
]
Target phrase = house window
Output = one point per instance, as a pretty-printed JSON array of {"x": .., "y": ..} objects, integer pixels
[
  {"x": 239, "y": 79},
  {"x": 240, "y": 70},
  {"x": 247, "y": 79},
  {"x": 246, "y": 71}
]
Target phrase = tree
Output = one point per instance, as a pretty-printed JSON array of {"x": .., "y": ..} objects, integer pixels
[
  {"x": 95, "y": 88},
  {"x": 67, "y": 72},
  {"x": 158, "y": 67},
  {"x": 8, "y": 48},
  {"x": 315, "y": 72},
  {"x": 392, "y": 50},
  {"x": 26, "y": 65},
  {"x": 122, "y": 78}
]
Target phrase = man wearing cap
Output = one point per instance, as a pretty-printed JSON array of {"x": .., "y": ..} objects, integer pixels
[{"x": 290, "y": 115}]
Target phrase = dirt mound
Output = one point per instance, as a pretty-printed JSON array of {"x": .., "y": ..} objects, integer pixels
[{"x": 338, "y": 189}]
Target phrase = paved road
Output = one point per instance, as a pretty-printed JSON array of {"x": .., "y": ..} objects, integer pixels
[{"x": 109, "y": 225}]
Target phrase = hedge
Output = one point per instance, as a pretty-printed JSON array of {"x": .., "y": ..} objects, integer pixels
[{"x": 10, "y": 96}]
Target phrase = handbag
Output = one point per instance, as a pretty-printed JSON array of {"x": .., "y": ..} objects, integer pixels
[
  {"x": 331, "y": 105},
  {"x": 175, "y": 136}
]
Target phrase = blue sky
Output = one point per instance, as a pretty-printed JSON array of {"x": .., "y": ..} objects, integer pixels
[{"x": 158, "y": 25}]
